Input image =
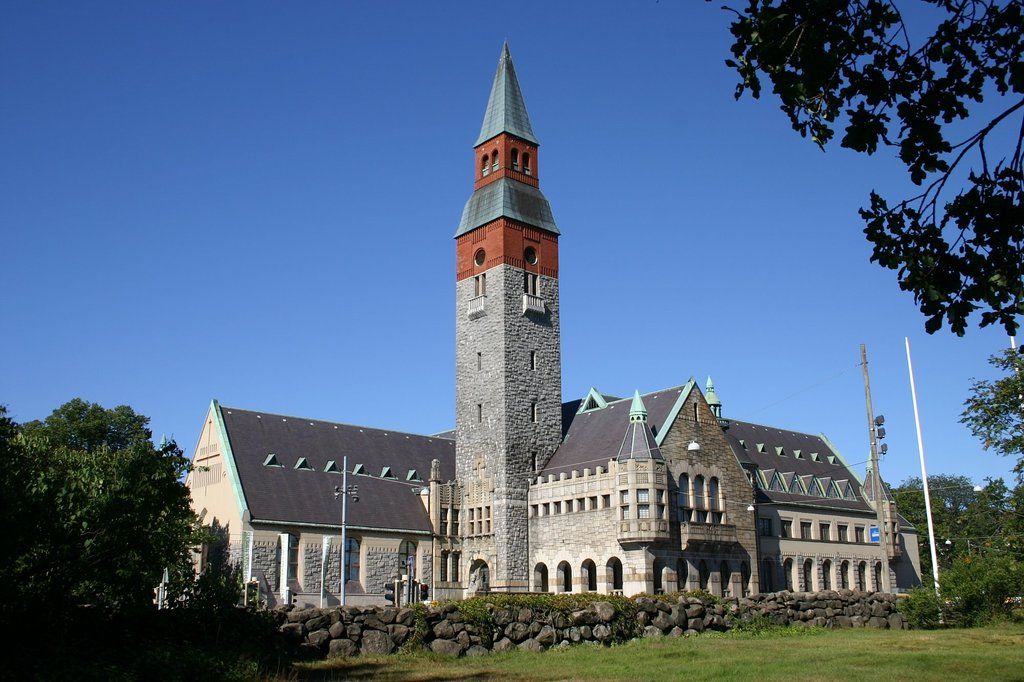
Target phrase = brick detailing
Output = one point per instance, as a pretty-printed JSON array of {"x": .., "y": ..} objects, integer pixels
[
  {"x": 503, "y": 144},
  {"x": 503, "y": 241}
]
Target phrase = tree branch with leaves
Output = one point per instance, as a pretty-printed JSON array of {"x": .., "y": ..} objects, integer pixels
[{"x": 959, "y": 251}]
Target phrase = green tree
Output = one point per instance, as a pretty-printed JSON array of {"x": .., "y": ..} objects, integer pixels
[
  {"x": 994, "y": 412},
  {"x": 853, "y": 63},
  {"x": 97, "y": 509}
]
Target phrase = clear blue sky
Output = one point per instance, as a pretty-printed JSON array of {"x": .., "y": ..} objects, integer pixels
[{"x": 256, "y": 201}]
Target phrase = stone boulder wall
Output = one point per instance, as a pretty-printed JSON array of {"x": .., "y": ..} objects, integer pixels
[{"x": 477, "y": 627}]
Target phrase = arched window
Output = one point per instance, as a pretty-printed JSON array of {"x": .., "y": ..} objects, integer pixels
[
  {"x": 479, "y": 577},
  {"x": 614, "y": 572},
  {"x": 515, "y": 159},
  {"x": 826, "y": 575},
  {"x": 564, "y": 577},
  {"x": 698, "y": 492},
  {"x": 767, "y": 578},
  {"x": 444, "y": 567},
  {"x": 724, "y": 576},
  {"x": 406, "y": 552},
  {"x": 862, "y": 576},
  {"x": 540, "y": 578},
  {"x": 808, "y": 576},
  {"x": 659, "y": 582},
  {"x": 715, "y": 500},
  {"x": 485, "y": 165},
  {"x": 704, "y": 574},
  {"x": 878, "y": 577},
  {"x": 844, "y": 575},
  {"x": 684, "y": 494},
  {"x": 526, "y": 163},
  {"x": 682, "y": 572},
  {"x": 351, "y": 559},
  {"x": 589, "y": 572},
  {"x": 744, "y": 578},
  {"x": 494, "y": 160},
  {"x": 787, "y": 573}
]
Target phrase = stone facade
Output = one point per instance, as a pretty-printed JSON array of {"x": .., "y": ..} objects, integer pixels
[{"x": 507, "y": 361}]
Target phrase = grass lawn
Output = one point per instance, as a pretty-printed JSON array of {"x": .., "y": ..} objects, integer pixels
[{"x": 992, "y": 653}]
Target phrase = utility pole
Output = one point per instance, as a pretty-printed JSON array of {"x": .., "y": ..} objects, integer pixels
[{"x": 876, "y": 477}]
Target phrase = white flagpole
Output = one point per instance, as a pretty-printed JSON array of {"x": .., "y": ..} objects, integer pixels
[{"x": 924, "y": 473}]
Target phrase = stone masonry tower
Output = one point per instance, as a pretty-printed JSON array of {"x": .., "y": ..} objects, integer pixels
[{"x": 508, "y": 375}]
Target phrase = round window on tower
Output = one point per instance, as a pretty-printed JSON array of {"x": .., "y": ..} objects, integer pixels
[
  {"x": 530, "y": 255},
  {"x": 479, "y": 257}
]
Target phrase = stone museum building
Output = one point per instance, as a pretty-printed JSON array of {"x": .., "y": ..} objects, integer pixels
[{"x": 649, "y": 492}]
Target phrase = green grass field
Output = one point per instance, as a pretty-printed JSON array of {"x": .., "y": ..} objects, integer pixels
[{"x": 992, "y": 653}]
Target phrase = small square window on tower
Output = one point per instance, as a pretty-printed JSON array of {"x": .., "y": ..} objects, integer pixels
[
  {"x": 479, "y": 360},
  {"x": 533, "y": 359},
  {"x": 479, "y": 412},
  {"x": 531, "y": 284},
  {"x": 480, "y": 285},
  {"x": 534, "y": 412}
]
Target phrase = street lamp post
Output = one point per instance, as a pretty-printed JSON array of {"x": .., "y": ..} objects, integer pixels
[{"x": 344, "y": 492}]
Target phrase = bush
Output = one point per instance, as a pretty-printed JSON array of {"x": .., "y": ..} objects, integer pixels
[
  {"x": 921, "y": 606},
  {"x": 977, "y": 589}
]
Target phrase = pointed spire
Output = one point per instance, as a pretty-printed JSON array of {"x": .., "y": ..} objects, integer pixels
[
  {"x": 506, "y": 110},
  {"x": 709, "y": 393},
  {"x": 637, "y": 410}
]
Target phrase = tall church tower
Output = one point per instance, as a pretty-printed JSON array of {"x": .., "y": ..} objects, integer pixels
[{"x": 508, "y": 376}]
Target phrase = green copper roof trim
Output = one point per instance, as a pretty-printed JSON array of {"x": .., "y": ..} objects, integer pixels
[
  {"x": 637, "y": 409},
  {"x": 674, "y": 412},
  {"x": 507, "y": 198},
  {"x": 229, "y": 457},
  {"x": 506, "y": 110},
  {"x": 598, "y": 399}
]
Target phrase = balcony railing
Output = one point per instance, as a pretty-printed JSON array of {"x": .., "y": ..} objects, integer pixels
[
  {"x": 707, "y": 533},
  {"x": 533, "y": 304},
  {"x": 477, "y": 307}
]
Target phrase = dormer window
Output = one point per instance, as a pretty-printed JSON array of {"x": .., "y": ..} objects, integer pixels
[
  {"x": 485, "y": 166},
  {"x": 515, "y": 159},
  {"x": 526, "y": 163}
]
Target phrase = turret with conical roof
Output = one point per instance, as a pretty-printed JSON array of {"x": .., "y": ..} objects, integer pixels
[
  {"x": 506, "y": 110},
  {"x": 712, "y": 398},
  {"x": 639, "y": 441}
]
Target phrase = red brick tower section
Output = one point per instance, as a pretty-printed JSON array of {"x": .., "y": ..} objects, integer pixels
[{"x": 504, "y": 240}]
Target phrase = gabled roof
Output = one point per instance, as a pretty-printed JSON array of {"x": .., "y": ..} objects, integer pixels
[
  {"x": 595, "y": 436},
  {"x": 306, "y": 496},
  {"x": 507, "y": 198},
  {"x": 807, "y": 468},
  {"x": 506, "y": 110}
]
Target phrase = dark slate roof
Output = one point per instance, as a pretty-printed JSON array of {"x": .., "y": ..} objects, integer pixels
[
  {"x": 770, "y": 461},
  {"x": 506, "y": 110},
  {"x": 639, "y": 443},
  {"x": 507, "y": 198},
  {"x": 594, "y": 437},
  {"x": 307, "y": 496}
]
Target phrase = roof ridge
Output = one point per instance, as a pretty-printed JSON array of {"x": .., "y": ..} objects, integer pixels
[
  {"x": 660, "y": 390},
  {"x": 777, "y": 428},
  {"x": 333, "y": 423}
]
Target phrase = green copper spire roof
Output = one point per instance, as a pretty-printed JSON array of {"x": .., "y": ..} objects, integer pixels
[
  {"x": 709, "y": 393},
  {"x": 637, "y": 410},
  {"x": 506, "y": 110}
]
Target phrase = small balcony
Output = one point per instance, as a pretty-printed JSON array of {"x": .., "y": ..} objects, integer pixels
[
  {"x": 643, "y": 530},
  {"x": 533, "y": 304},
  {"x": 707, "y": 534},
  {"x": 477, "y": 307}
]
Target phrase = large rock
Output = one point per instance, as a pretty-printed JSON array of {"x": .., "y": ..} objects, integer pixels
[
  {"x": 405, "y": 617},
  {"x": 896, "y": 621},
  {"x": 341, "y": 648},
  {"x": 444, "y": 630},
  {"x": 476, "y": 650},
  {"x": 337, "y": 630},
  {"x": 663, "y": 621},
  {"x": 399, "y": 633},
  {"x": 604, "y": 611},
  {"x": 651, "y": 631},
  {"x": 446, "y": 647},
  {"x": 388, "y": 614},
  {"x": 320, "y": 622},
  {"x": 302, "y": 615},
  {"x": 376, "y": 643},
  {"x": 517, "y": 632},
  {"x": 546, "y": 636},
  {"x": 602, "y": 632},
  {"x": 504, "y": 644},
  {"x": 531, "y": 645},
  {"x": 293, "y": 632},
  {"x": 318, "y": 638}
]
